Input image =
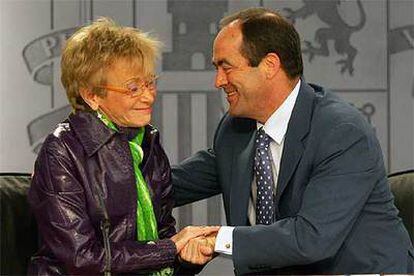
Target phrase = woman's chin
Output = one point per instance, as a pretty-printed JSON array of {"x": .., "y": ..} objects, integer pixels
[{"x": 141, "y": 121}]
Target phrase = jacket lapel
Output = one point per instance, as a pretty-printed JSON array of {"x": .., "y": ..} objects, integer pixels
[
  {"x": 90, "y": 130},
  {"x": 298, "y": 128},
  {"x": 242, "y": 171}
]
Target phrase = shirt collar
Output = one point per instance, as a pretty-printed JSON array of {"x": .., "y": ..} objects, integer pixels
[{"x": 276, "y": 125}]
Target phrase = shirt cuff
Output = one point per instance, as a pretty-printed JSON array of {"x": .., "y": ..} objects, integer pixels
[{"x": 224, "y": 240}]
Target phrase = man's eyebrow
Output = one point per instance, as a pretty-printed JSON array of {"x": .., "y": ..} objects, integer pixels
[
  {"x": 220, "y": 62},
  {"x": 217, "y": 63}
]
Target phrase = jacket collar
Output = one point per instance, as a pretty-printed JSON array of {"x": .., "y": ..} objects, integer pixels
[
  {"x": 91, "y": 131},
  {"x": 242, "y": 168},
  {"x": 277, "y": 124},
  {"x": 298, "y": 128}
]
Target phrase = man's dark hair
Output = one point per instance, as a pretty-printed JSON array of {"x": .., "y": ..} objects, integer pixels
[{"x": 265, "y": 31}]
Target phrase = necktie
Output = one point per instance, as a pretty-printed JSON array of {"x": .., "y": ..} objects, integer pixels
[{"x": 264, "y": 179}]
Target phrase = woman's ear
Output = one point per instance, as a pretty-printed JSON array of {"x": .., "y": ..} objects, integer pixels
[
  {"x": 90, "y": 98},
  {"x": 272, "y": 65}
]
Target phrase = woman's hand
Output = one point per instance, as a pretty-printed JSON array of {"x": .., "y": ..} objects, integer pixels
[
  {"x": 190, "y": 232},
  {"x": 199, "y": 250}
]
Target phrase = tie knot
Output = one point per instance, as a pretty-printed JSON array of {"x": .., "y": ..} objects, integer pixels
[{"x": 262, "y": 139}]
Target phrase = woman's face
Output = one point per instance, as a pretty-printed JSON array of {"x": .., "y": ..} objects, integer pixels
[{"x": 121, "y": 107}]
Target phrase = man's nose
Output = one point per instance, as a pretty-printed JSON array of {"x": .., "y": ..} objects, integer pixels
[{"x": 221, "y": 79}]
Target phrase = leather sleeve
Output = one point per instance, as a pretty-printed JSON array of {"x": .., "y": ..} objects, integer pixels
[{"x": 57, "y": 199}]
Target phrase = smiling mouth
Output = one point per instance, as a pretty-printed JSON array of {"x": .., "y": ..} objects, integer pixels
[
  {"x": 144, "y": 109},
  {"x": 231, "y": 93}
]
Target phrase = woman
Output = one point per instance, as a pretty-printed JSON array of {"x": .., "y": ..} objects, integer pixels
[{"x": 101, "y": 190}]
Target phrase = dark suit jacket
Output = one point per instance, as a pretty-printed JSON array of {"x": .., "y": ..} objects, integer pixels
[{"x": 335, "y": 212}]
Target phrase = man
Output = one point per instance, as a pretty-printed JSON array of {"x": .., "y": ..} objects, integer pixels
[{"x": 300, "y": 171}]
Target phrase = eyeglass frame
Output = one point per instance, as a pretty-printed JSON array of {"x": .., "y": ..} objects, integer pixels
[{"x": 141, "y": 85}]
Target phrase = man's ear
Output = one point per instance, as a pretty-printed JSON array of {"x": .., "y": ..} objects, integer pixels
[
  {"x": 90, "y": 98},
  {"x": 272, "y": 65}
]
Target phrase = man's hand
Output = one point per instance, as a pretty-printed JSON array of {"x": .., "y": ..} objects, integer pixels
[
  {"x": 199, "y": 250},
  {"x": 190, "y": 232}
]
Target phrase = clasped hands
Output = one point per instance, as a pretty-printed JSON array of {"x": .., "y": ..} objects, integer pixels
[{"x": 195, "y": 244}]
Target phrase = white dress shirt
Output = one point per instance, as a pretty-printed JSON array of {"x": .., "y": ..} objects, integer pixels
[{"x": 275, "y": 127}]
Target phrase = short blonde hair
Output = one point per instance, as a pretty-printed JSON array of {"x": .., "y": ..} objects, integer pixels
[{"x": 93, "y": 48}]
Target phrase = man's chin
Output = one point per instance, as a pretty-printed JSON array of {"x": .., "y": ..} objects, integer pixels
[
  {"x": 234, "y": 113},
  {"x": 238, "y": 114}
]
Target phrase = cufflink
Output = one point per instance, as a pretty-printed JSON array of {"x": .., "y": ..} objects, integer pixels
[{"x": 227, "y": 245}]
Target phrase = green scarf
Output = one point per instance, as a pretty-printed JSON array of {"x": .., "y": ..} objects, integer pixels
[{"x": 147, "y": 229}]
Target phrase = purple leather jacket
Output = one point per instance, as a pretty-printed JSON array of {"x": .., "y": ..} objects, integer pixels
[{"x": 83, "y": 152}]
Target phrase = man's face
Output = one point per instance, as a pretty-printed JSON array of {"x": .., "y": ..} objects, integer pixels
[{"x": 243, "y": 84}]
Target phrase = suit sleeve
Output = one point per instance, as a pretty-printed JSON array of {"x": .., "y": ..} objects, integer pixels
[
  {"x": 195, "y": 178},
  {"x": 166, "y": 223},
  {"x": 58, "y": 201},
  {"x": 345, "y": 171}
]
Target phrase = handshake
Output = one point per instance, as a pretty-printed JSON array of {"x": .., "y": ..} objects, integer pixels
[{"x": 195, "y": 244}]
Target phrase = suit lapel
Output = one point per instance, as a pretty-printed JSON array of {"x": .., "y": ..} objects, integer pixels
[
  {"x": 298, "y": 128},
  {"x": 242, "y": 171}
]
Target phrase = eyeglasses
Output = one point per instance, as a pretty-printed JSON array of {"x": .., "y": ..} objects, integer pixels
[{"x": 134, "y": 87}]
